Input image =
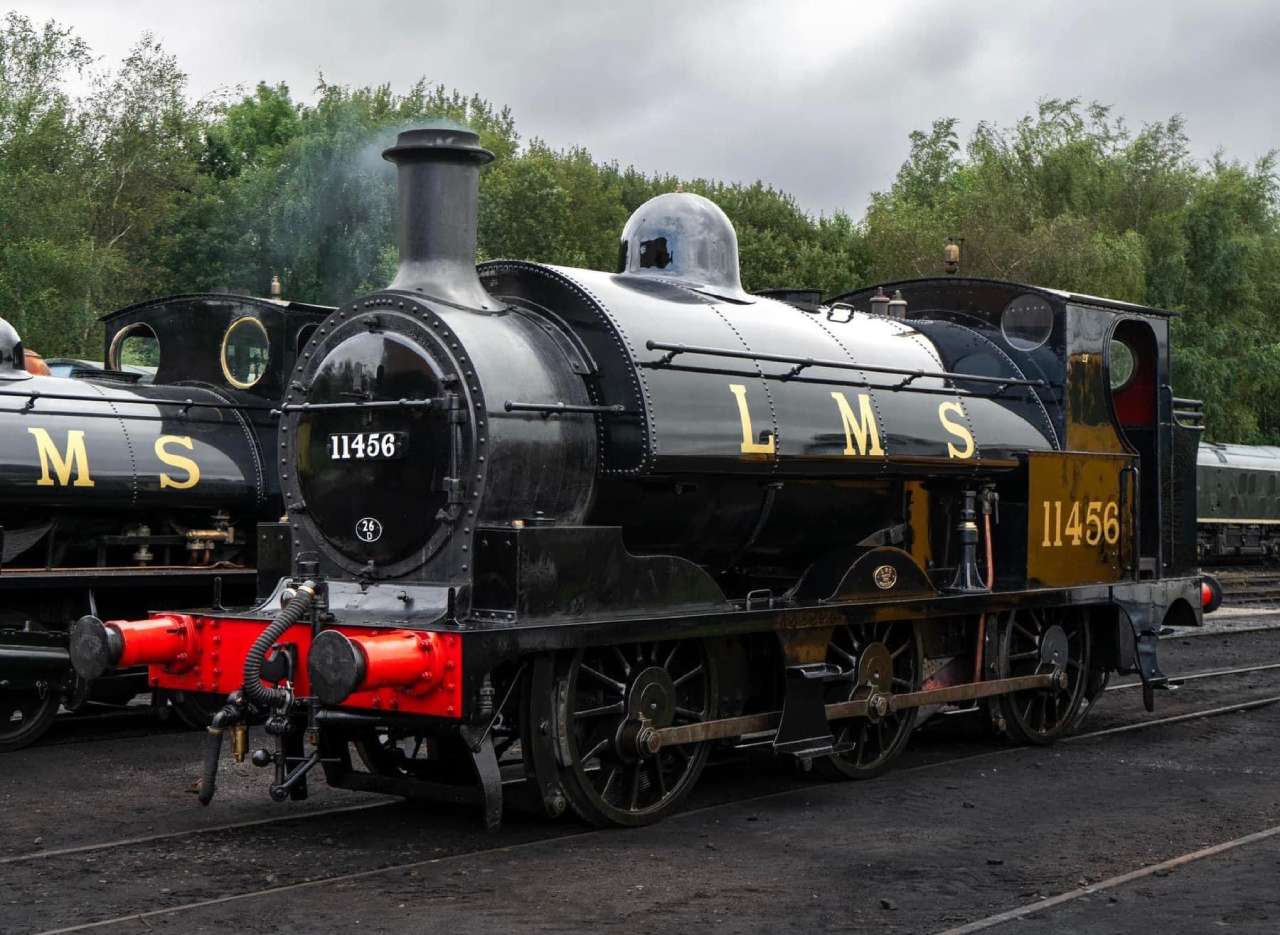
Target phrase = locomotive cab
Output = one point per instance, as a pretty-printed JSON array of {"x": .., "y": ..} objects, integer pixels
[{"x": 234, "y": 343}]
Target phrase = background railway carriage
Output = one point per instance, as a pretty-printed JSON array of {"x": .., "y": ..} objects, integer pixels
[
  {"x": 118, "y": 497},
  {"x": 575, "y": 527},
  {"x": 1238, "y": 503}
]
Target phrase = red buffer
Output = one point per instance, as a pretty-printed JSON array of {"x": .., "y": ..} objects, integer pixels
[
  {"x": 412, "y": 672},
  {"x": 165, "y": 640},
  {"x": 416, "y": 664}
]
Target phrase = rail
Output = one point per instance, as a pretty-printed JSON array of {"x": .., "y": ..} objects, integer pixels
[
  {"x": 800, "y": 364},
  {"x": 547, "y": 409},
  {"x": 34, "y": 396},
  {"x": 429, "y": 403},
  {"x": 1188, "y": 412}
]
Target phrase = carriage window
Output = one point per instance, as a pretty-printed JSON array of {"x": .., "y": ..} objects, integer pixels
[
  {"x": 244, "y": 353},
  {"x": 1027, "y": 322},
  {"x": 134, "y": 346},
  {"x": 1120, "y": 364}
]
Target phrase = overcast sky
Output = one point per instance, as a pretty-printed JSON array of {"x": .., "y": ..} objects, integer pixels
[{"x": 815, "y": 98}]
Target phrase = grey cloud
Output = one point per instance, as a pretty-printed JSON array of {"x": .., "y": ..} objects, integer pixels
[{"x": 814, "y": 98}]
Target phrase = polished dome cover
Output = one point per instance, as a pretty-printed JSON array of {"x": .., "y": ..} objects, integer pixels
[{"x": 683, "y": 238}]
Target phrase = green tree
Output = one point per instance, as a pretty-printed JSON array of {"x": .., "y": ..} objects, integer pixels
[
  {"x": 1069, "y": 197},
  {"x": 47, "y": 254},
  {"x": 136, "y": 190}
]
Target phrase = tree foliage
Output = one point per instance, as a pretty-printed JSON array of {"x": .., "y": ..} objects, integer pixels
[
  {"x": 134, "y": 189},
  {"x": 1069, "y": 197}
]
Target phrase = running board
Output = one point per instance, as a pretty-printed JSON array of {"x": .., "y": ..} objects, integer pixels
[{"x": 874, "y": 704}]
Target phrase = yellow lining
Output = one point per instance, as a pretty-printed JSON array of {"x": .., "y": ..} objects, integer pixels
[{"x": 226, "y": 337}]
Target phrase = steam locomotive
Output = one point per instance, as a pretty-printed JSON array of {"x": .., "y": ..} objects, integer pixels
[
  {"x": 561, "y": 532},
  {"x": 118, "y": 497}
]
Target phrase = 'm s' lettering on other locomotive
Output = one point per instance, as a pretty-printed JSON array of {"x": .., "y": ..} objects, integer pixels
[
  {"x": 861, "y": 433},
  {"x": 177, "y": 461},
  {"x": 75, "y": 457},
  {"x": 57, "y": 465}
]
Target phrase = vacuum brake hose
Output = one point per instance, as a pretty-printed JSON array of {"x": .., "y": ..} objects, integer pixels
[
  {"x": 228, "y": 715},
  {"x": 254, "y": 691}
]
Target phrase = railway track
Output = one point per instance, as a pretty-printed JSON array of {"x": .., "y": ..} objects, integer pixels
[
  {"x": 1176, "y": 681},
  {"x": 108, "y": 722},
  {"x": 1249, "y": 587},
  {"x": 579, "y": 835},
  {"x": 1264, "y": 701}
]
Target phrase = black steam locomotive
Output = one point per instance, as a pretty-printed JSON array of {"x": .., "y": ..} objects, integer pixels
[
  {"x": 574, "y": 528},
  {"x": 120, "y": 496}
]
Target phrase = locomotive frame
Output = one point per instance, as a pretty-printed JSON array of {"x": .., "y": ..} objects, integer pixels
[{"x": 641, "y": 514}]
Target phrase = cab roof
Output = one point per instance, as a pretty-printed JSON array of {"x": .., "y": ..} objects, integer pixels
[
  {"x": 1059, "y": 295},
  {"x": 260, "y": 301}
]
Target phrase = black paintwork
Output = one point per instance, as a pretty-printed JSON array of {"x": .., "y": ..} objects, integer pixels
[
  {"x": 274, "y": 557},
  {"x": 667, "y": 470},
  {"x": 120, "y": 431},
  {"x": 554, "y": 572}
]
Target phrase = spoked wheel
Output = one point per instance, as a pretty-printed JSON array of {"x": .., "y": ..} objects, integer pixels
[
  {"x": 603, "y": 698},
  {"x": 1034, "y": 642},
  {"x": 25, "y": 714},
  {"x": 1096, "y": 685},
  {"x": 886, "y": 658}
]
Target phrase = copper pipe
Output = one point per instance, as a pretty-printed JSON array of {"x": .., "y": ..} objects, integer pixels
[
  {"x": 991, "y": 562},
  {"x": 977, "y": 652},
  {"x": 214, "y": 535},
  {"x": 982, "y": 619}
]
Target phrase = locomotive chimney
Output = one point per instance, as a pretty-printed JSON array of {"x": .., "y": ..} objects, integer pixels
[{"x": 438, "y": 187}]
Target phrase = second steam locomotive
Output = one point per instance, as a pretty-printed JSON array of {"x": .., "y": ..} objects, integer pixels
[
  {"x": 118, "y": 497},
  {"x": 576, "y": 528}
]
